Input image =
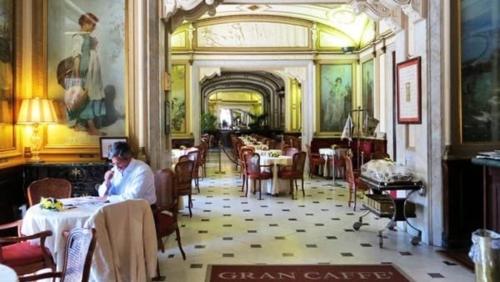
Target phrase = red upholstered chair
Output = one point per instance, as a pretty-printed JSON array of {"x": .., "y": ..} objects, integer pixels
[
  {"x": 78, "y": 253},
  {"x": 48, "y": 187},
  {"x": 23, "y": 257},
  {"x": 294, "y": 172},
  {"x": 352, "y": 178},
  {"x": 183, "y": 179},
  {"x": 316, "y": 162},
  {"x": 254, "y": 171},
  {"x": 167, "y": 203}
]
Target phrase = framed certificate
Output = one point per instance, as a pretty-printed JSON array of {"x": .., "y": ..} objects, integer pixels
[{"x": 409, "y": 92}]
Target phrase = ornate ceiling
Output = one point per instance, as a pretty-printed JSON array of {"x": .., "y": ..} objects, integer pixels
[{"x": 390, "y": 11}]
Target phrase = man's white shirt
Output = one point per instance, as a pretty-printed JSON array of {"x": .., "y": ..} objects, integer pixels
[{"x": 136, "y": 181}]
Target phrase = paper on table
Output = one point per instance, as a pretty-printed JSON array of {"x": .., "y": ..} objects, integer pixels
[{"x": 88, "y": 200}]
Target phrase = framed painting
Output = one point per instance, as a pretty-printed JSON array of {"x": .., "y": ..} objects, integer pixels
[
  {"x": 178, "y": 99},
  {"x": 367, "y": 72},
  {"x": 7, "y": 71},
  {"x": 106, "y": 144},
  {"x": 86, "y": 70},
  {"x": 335, "y": 97},
  {"x": 409, "y": 91}
]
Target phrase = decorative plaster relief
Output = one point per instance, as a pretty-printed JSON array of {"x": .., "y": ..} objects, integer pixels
[
  {"x": 170, "y": 7},
  {"x": 373, "y": 8},
  {"x": 253, "y": 34}
]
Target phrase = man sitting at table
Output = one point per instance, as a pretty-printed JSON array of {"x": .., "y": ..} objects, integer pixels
[{"x": 129, "y": 178}]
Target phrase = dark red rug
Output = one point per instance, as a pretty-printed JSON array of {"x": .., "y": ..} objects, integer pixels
[{"x": 306, "y": 273}]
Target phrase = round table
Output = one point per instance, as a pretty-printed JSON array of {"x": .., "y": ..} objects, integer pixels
[
  {"x": 8, "y": 274},
  {"x": 77, "y": 211}
]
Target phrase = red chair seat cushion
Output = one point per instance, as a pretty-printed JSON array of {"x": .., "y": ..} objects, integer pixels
[
  {"x": 261, "y": 175},
  {"x": 22, "y": 254}
]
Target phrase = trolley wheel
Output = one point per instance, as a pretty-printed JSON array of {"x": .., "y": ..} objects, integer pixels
[
  {"x": 415, "y": 240},
  {"x": 356, "y": 225}
]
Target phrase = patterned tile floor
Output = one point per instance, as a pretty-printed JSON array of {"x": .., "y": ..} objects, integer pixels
[{"x": 227, "y": 228}]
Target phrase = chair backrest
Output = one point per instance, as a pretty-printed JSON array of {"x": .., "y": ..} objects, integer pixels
[
  {"x": 290, "y": 151},
  {"x": 349, "y": 171},
  {"x": 48, "y": 187},
  {"x": 183, "y": 177},
  {"x": 298, "y": 162},
  {"x": 80, "y": 247},
  {"x": 252, "y": 163},
  {"x": 245, "y": 150},
  {"x": 183, "y": 158},
  {"x": 166, "y": 195}
]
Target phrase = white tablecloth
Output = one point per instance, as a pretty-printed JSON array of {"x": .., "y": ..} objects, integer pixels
[
  {"x": 7, "y": 274},
  {"x": 329, "y": 167},
  {"x": 105, "y": 217}
]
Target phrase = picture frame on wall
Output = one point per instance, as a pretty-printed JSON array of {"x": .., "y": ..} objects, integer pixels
[
  {"x": 409, "y": 91},
  {"x": 335, "y": 97},
  {"x": 106, "y": 143},
  {"x": 86, "y": 70}
]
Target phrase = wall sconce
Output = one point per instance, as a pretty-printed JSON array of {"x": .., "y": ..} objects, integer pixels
[{"x": 34, "y": 112}]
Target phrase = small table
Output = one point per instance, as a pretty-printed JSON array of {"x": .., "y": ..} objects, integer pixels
[
  {"x": 398, "y": 205},
  {"x": 327, "y": 153},
  {"x": 8, "y": 274}
]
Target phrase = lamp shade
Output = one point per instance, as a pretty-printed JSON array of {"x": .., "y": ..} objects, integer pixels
[{"x": 37, "y": 110}]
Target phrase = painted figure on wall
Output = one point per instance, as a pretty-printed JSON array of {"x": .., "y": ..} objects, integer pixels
[
  {"x": 335, "y": 96},
  {"x": 480, "y": 42},
  {"x": 178, "y": 99},
  {"x": 86, "y": 69},
  {"x": 367, "y": 86},
  {"x": 89, "y": 105}
]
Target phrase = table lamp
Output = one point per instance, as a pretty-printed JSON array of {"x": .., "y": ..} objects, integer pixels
[{"x": 34, "y": 112}]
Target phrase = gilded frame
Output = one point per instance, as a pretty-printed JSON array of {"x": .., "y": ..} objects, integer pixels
[
  {"x": 83, "y": 145},
  {"x": 353, "y": 85}
]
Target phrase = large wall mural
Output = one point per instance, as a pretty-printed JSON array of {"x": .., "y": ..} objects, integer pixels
[
  {"x": 86, "y": 68},
  {"x": 480, "y": 68},
  {"x": 7, "y": 63},
  {"x": 335, "y": 96}
]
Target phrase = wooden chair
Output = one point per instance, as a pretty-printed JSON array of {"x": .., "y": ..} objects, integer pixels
[
  {"x": 316, "y": 162},
  {"x": 195, "y": 156},
  {"x": 294, "y": 172},
  {"x": 21, "y": 255},
  {"x": 167, "y": 202},
  {"x": 183, "y": 179},
  {"x": 78, "y": 253},
  {"x": 254, "y": 171},
  {"x": 290, "y": 151},
  {"x": 352, "y": 178},
  {"x": 244, "y": 150},
  {"x": 48, "y": 187}
]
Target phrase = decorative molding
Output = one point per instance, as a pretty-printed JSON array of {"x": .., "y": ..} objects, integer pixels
[
  {"x": 415, "y": 10},
  {"x": 209, "y": 72},
  {"x": 174, "y": 12},
  {"x": 299, "y": 73}
]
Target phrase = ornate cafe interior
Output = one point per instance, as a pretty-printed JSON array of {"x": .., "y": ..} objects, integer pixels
[{"x": 256, "y": 140}]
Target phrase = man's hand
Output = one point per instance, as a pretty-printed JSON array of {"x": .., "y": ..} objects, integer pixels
[{"x": 107, "y": 177}]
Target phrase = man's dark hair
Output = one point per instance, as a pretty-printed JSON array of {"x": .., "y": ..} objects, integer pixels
[{"x": 120, "y": 149}]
